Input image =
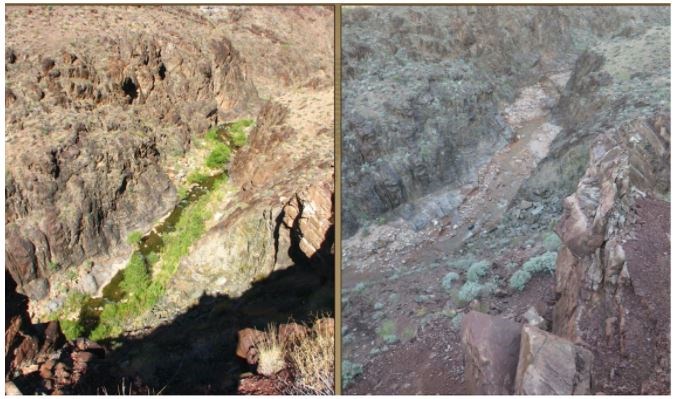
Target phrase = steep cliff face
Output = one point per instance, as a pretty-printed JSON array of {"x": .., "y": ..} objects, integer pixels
[
  {"x": 98, "y": 120},
  {"x": 91, "y": 116},
  {"x": 112, "y": 116},
  {"x": 422, "y": 91}
]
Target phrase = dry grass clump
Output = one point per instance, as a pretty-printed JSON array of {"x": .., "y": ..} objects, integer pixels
[
  {"x": 313, "y": 362},
  {"x": 271, "y": 353},
  {"x": 306, "y": 354}
]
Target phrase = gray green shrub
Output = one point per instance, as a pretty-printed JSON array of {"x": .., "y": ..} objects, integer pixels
[
  {"x": 387, "y": 331},
  {"x": 477, "y": 270},
  {"x": 551, "y": 242},
  {"x": 541, "y": 263},
  {"x": 456, "y": 321},
  {"x": 519, "y": 280},
  {"x": 461, "y": 263},
  {"x": 449, "y": 279},
  {"x": 470, "y": 291},
  {"x": 349, "y": 372}
]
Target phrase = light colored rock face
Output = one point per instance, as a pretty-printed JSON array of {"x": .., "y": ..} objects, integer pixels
[
  {"x": 37, "y": 289},
  {"x": 310, "y": 214},
  {"x": 491, "y": 347},
  {"x": 550, "y": 365}
]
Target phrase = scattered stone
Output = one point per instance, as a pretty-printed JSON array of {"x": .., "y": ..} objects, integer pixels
[
  {"x": 524, "y": 205},
  {"x": 551, "y": 365},
  {"x": 534, "y": 319}
]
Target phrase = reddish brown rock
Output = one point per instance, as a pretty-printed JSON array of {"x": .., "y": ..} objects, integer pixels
[
  {"x": 550, "y": 365},
  {"x": 613, "y": 269},
  {"x": 491, "y": 346},
  {"x": 247, "y": 340}
]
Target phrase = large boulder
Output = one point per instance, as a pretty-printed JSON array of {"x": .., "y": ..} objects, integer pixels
[
  {"x": 550, "y": 365},
  {"x": 492, "y": 346}
]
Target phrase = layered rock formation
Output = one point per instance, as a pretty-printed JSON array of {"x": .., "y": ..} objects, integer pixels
[
  {"x": 613, "y": 295},
  {"x": 611, "y": 271}
]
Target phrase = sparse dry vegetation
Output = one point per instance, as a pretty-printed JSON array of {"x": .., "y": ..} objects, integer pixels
[
  {"x": 272, "y": 353},
  {"x": 310, "y": 358},
  {"x": 313, "y": 359}
]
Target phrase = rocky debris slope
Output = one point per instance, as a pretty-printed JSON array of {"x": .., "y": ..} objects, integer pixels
[
  {"x": 414, "y": 284},
  {"x": 37, "y": 357},
  {"x": 421, "y": 92}
]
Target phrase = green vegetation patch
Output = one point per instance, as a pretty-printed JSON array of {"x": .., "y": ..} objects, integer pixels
[
  {"x": 219, "y": 156},
  {"x": 134, "y": 237},
  {"x": 69, "y": 315},
  {"x": 237, "y": 132},
  {"x": 144, "y": 290},
  {"x": 53, "y": 266},
  {"x": 197, "y": 177}
]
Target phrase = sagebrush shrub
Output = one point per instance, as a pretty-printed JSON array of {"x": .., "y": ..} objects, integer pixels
[
  {"x": 545, "y": 262},
  {"x": 470, "y": 290},
  {"x": 519, "y": 280},
  {"x": 551, "y": 242},
  {"x": 449, "y": 279},
  {"x": 477, "y": 270}
]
